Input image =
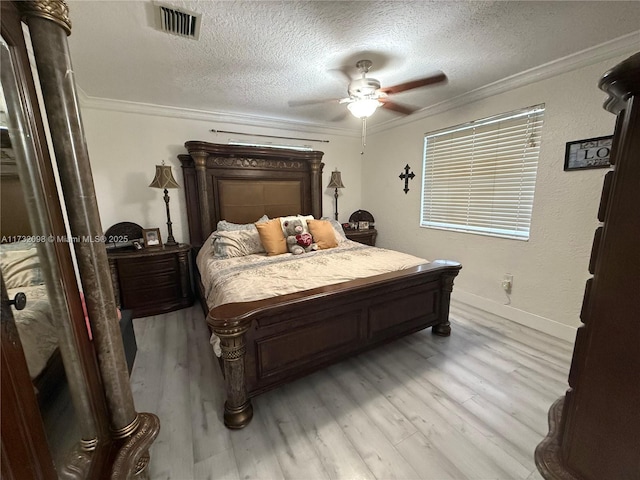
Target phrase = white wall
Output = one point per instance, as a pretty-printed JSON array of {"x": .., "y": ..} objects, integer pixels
[
  {"x": 125, "y": 147},
  {"x": 551, "y": 268}
]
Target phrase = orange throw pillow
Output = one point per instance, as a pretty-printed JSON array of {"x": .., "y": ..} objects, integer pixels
[
  {"x": 323, "y": 233},
  {"x": 271, "y": 237}
]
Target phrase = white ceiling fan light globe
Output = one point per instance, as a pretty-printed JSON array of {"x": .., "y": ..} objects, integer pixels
[{"x": 363, "y": 108}]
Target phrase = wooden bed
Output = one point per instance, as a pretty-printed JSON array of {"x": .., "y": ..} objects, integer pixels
[{"x": 266, "y": 343}]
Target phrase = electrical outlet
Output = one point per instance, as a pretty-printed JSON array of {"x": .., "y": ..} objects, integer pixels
[{"x": 507, "y": 282}]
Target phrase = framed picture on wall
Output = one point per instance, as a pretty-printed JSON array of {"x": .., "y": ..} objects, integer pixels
[{"x": 589, "y": 153}]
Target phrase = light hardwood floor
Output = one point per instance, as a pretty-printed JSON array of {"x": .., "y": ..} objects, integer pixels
[{"x": 470, "y": 406}]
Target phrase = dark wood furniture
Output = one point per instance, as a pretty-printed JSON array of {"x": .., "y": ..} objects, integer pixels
[
  {"x": 368, "y": 236},
  {"x": 594, "y": 428},
  {"x": 151, "y": 281},
  {"x": 272, "y": 341},
  {"x": 112, "y": 439}
]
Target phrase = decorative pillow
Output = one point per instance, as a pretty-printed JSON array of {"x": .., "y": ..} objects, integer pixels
[
  {"x": 236, "y": 243},
  {"x": 303, "y": 218},
  {"x": 224, "y": 226},
  {"x": 340, "y": 235},
  {"x": 272, "y": 237},
  {"x": 323, "y": 233},
  {"x": 20, "y": 265}
]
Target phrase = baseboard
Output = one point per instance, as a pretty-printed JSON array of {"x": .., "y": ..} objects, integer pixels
[{"x": 470, "y": 301}]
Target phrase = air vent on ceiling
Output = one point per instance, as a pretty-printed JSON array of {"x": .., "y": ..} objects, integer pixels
[{"x": 178, "y": 22}]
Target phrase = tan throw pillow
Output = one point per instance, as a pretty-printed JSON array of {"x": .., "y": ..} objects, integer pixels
[
  {"x": 323, "y": 233},
  {"x": 272, "y": 237}
]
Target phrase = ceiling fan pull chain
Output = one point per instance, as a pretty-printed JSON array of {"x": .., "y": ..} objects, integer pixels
[{"x": 364, "y": 134}]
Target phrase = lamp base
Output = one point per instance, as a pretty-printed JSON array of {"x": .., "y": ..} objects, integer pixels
[{"x": 171, "y": 242}]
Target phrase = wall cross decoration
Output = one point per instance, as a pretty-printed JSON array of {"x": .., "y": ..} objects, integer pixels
[{"x": 406, "y": 176}]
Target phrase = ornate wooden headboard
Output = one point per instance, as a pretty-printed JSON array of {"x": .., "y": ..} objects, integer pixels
[{"x": 242, "y": 183}]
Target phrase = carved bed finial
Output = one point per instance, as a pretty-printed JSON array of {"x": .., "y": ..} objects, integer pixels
[{"x": 55, "y": 10}]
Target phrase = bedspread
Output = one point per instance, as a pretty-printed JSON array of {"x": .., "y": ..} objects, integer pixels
[{"x": 258, "y": 276}]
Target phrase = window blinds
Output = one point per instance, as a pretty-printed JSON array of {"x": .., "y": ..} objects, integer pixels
[{"x": 480, "y": 177}]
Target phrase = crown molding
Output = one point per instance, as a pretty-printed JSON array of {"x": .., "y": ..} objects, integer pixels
[
  {"x": 626, "y": 44},
  {"x": 245, "y": 120}
]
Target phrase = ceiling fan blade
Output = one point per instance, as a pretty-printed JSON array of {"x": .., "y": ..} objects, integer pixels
[
  {"x": 300, "y": 103},
  {"x": 396, "y": 107},
  {"x": 421, "y": 82}
]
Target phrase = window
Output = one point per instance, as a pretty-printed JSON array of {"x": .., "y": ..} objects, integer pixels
[{"x": 480, "y": 177}]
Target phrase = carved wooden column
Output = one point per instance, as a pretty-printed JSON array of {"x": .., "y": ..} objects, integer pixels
[
  {"x": 200, "y": 161},
  {"x": 238, "y": 410},
  {"x": 49, "y": 26},
  {"x": 315, "y": 164},
  {"x": 444, "y": 329}
]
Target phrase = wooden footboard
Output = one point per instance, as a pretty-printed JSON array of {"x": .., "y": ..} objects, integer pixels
[{"x": 270, "y": 342}]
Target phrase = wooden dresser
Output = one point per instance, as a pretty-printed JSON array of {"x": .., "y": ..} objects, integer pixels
[
  {"x": 153, "y": 280},
  {"x": 595, "y": 428}
]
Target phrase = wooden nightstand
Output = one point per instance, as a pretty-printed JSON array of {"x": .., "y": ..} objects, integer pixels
[
  {"x": 153, "y": 280},
  {"x": 368, "y": 236}
]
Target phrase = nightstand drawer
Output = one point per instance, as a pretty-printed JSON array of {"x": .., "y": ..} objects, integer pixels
[
  {"x": 142, "y": 267},
  {"x": 148, "y": 295}
]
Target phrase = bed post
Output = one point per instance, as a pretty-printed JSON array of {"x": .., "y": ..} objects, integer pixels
[
  {"x": 200, "y": 162},
  {"x": 238, "y": 410},
  {"x": 315, "y": 165},
  {"x": 443, "y": 328}
]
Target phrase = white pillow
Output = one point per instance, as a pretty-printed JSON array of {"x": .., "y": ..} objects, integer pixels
[
  {"x": 237, "y": 243},
  {"x": 337, "y": 226},
  {"x": 224, "y": 226},
  {"x": 340, "y": 235}
]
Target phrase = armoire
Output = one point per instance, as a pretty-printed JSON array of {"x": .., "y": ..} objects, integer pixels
[
  {"x": 67, "y": 407},
  {"x": 594, "y": 429}
]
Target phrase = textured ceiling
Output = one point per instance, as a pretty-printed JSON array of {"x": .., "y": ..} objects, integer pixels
[{"x": 254, "y": 56}]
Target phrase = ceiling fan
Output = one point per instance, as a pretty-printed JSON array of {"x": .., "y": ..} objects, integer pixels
[{"x": 366, "y": 93}]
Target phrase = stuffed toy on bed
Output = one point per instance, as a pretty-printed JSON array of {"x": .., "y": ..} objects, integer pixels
[{"x": 298, "y": 241}]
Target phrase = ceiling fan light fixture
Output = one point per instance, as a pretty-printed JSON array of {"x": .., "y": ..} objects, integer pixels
[{"x": 363, "y": 108}]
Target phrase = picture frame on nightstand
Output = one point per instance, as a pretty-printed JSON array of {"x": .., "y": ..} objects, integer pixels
[
  {"x": 151, "y": 238},
  {"x": 363, "y": 225}
]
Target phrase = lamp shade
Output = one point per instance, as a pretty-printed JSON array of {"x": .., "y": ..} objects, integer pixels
[
  {"x": 164, "y": 178},
  {"x": 363, "y": 108},
  {"x": 336, "y": 180}
]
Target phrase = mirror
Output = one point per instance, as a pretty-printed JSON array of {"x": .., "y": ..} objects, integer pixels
[{"x": 28, "y": 266}]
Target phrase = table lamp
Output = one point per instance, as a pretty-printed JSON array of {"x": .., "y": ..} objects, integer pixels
[
  {"x": 164, "y": 179},
  {"x": 336, "y": 182}
]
